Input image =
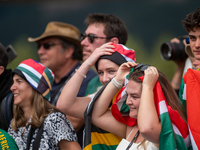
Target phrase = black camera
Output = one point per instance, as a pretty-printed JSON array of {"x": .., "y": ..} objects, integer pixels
[
  {"x": 174, "y": 51},
  {"x": 11, "y": 53}
]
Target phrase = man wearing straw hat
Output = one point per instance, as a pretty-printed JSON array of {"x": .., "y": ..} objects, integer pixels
[{"x": 60, "y": 50}]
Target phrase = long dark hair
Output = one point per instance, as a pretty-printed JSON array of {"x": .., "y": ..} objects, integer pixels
[{"x": 169, "y": 93}]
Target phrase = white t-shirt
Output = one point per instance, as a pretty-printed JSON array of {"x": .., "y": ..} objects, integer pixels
[{"x": 124, "y": 144}]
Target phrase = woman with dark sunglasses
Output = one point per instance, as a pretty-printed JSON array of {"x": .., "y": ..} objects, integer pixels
[
  {"x": 149, "y": 97},
  {"x": 107, "y": 60}
]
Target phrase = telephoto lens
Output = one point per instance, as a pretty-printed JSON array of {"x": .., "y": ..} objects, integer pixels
[{"x": 173, "y": 51}]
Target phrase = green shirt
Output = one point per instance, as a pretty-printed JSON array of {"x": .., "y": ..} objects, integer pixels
[
  {"x": 7, "y": 142},
  {"x": 93, "y": 85}
]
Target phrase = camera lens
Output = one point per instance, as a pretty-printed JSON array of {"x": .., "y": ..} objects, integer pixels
[
  {"x": 166, "y": 51},
  {"x": 173, "y": 51}
]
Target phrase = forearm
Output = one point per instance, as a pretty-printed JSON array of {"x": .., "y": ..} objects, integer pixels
[
  {"x": 102, "y": 116},
  {"x": 102, "y": 103},
  {"x": 68, "y": 98},
  {"x": 176, "y": 80},
  {"x": 148, "y": 121}
]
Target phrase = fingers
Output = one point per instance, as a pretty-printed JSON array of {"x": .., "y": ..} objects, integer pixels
[
  {"x": 129, "y": 64},
  {"x": 175, "y": 40},
  {"x": 184, "y": 42},
  {"x": 105, "y": 49},
  {"x": 151, "y": 76},
  {"x": 123, "y": 71},
  {"x": 151, "y": 70}
]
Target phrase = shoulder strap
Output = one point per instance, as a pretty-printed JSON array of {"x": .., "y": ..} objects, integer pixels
[
  {"x": 131, "y": 143},
  {"x": 36, "y": 143},
  {"x": 130, "y": 132},
  {"x": 30, "y": 136}
]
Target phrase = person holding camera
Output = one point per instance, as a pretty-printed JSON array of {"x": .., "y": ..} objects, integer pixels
[
  {"x": 190, "y": 86},
  {"x": 6, "y": 96},
  {"x": 175, "y": 50},
  {"x": 180, "y": 66}
]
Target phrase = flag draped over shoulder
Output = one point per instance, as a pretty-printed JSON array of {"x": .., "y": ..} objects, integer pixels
[
  {"x": 119, "y": 108},
  {"x": 192, "y": 95},
  {"x": 174, "y": 130},
  {"x": 94, "y": 137}
]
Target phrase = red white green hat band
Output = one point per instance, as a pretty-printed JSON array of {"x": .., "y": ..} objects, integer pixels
[
  {"x": 38, "y": 76},
  {"x": 121, "y": 55}
]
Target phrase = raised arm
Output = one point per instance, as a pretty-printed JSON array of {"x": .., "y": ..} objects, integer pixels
[
  {"x": 101, "y": 115},
  {"x": 148, "y": 121},
  {"x": 180, "y": 65},
  {"x": 68, "y": 103}
]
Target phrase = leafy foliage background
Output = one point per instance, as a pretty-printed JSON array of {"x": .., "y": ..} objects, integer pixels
[{"x": 149, "y": 23}]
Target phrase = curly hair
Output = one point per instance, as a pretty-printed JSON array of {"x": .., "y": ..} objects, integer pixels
[
  {"x": 114, "y": 26},
  {"x": 41, "y": 108},
  {"x": 192, "y": 20}
]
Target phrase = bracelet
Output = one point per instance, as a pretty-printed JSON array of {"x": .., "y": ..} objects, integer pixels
[
  {"x": 116, "y": 84},
  {"x": 80, "y": 73}
]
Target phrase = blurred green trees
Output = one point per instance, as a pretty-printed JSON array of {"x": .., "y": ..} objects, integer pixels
[{"x": 24, "y": 50}]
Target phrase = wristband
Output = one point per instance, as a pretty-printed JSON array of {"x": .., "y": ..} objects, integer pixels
[
  {"x": 116, "y": 84},
  {"x": 80, "y": 73}
]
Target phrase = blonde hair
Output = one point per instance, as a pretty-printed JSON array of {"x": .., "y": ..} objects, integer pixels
[{"x": 40, "y": 107}]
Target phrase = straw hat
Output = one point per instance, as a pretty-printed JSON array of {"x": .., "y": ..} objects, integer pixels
[{"x": 64, "y": 30}]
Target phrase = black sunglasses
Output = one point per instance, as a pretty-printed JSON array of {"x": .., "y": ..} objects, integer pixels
[
  {"x": 91, "y": 37},
  {"x": 141, "y": 67},
  {"x": 47, "y": 45}
]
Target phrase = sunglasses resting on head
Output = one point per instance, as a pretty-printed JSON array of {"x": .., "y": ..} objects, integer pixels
[{"x": 141, "y": 67}]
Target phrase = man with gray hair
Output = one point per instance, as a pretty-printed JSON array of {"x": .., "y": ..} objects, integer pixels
[{"x": 60, "y": 50}]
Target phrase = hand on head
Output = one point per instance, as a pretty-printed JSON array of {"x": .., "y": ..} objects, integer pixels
[
  {"x": 150, "y": 77},
  {"x": 123, "y": 71},
  {"x": 105, "y": 49}
]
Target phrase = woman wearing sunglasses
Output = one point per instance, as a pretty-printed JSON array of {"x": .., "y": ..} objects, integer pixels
[
  {"x": 147, "y": 92},
  {"x": 36, "y": 123},
  {"x": 108, "y": 58}
]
